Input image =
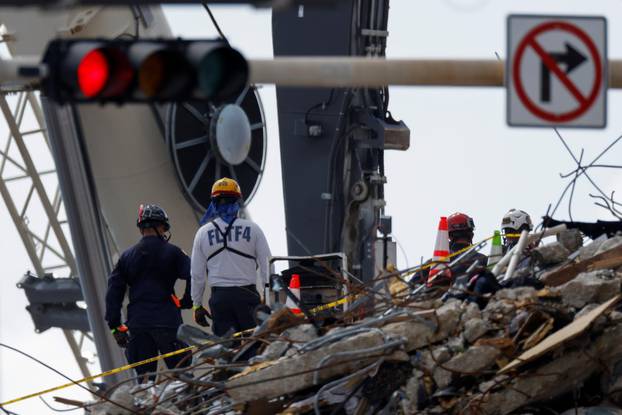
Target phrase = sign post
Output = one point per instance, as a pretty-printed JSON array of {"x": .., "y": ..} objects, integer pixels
[{"x": 556, "y": 74}]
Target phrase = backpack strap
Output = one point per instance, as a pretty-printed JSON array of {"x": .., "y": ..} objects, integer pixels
[{"x": 226, "y": 246}]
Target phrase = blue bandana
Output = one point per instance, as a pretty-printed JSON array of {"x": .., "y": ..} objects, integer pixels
[{"x": 227, "y": 212}]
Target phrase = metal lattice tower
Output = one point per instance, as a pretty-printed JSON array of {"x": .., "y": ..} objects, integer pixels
[{"x": 32, "y": 196}]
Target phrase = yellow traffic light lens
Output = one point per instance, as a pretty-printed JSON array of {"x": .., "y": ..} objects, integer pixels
[
  {"x": 164, "y": 74},
  {"x": 151, "y": 75}
]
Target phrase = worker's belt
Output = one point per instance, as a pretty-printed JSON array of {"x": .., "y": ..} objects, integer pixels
[
  {"x": 225, "y": 246},
  {"x": 237, "y": 287}
]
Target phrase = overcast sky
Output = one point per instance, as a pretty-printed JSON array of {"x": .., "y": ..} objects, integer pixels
[{"x": 463, "y": 157}]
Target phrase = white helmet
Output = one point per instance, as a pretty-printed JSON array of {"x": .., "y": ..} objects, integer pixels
[{"x": 517, "y": 220}]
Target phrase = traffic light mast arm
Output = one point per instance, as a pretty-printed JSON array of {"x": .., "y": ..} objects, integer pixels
[
  {"x": 369, "y": 72},
  {"x": 354, "y": 71},
  {"x": 72, "y": 3},
  {"x": 21, "y": 71},
  {"x": 338, "y": 72}
]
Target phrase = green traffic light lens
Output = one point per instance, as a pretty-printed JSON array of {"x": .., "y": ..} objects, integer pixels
[{"x": 222, "y": 73}]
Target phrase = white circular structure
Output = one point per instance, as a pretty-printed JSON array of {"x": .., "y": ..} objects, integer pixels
[
  {"x": 232, "y": 134},
  {"x": 208, "y": 143}
]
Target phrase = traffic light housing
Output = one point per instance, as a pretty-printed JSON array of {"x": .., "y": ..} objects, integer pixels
[
  {"x": 53, "y": 302},
  {"x": 145, "y": 70}
]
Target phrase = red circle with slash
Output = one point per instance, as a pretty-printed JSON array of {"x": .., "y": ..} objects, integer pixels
[{"x": 584, "y": 102}]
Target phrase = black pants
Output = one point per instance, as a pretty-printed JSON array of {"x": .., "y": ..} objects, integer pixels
[
  {"x": 146, "y": 343},
  {"x": 233, "y": 308}
]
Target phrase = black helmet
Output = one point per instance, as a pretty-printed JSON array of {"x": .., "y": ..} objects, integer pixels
[{"x": 152, "y": 215}]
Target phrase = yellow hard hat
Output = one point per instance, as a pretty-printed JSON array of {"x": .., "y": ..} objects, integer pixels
[{"x": 226, "y": 187}]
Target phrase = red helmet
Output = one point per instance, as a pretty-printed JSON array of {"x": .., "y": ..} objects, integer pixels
[{"x": 460, "y": 222}]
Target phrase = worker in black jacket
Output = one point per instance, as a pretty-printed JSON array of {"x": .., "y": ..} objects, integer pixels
[
  {"x": 461, "y": 229},
  {"x": 150, "y": 269}
]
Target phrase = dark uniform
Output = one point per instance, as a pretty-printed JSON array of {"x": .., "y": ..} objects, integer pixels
[
  {"x": 466, "y": 262},
  {"x": 150, "y": 269}
]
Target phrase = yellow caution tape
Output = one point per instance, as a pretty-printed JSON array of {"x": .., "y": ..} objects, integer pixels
[
  {"x": 448, "y": 257},
  {"x": 107, "y": 373},
  {"x": 114, "y": 371},
  {"x": 241, "y": 333},
  {"x": 334, "y": 304},
  {"x": 144, "y": 362}
]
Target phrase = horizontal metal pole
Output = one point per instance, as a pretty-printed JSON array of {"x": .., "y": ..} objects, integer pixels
[
  {"x": 73, "y": 3},
  {"x": 372, "y": 72},
  {"x": 21, "y": 70},
  {"x": 339, "y": 72}
]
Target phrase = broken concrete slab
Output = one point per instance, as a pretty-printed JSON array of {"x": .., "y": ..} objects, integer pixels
[
  {"x": 456, "y": 344},
  {"x": 590, "y": 287},
  {"x": 473, "y": 360},
  {"x": 471, "y": 311},
  {"x": 615, "y": 316},
  {"x": 609, "y": 259},
  {"x": 609, "y": 244},
  {"x": 555, "y": 378},
  {"x": 298, "y": 372},
  {"x": 550, "y": 254},
  {"x": 475, "y": 328},
  {"x": 301, "y": 334},
  {"x": 421, "y": 332},
  {"x": 500, "y": 312},
  {"x": 587, "y": 309},
  {"x": 274, "y": 350},
  {"x": 571, "y": 239},
  {"x": 589, "y": 250},
  {"x": 430, "y": 358},
  {"x": 442, "y": 377},
  {"x": 293, "y": 373},
  {"x": 412, "y": 393},
  {"x": 556, "y": 339},
  {"x": 516, "y": 294}
]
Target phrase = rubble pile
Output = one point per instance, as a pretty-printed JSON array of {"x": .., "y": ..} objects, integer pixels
[{"x": 546, "y": 341}]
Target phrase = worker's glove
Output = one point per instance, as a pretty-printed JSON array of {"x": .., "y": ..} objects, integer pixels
[
  {"x": 185, "y": 303},
  {"x": 201, "y": 315},
  {"x": 121, "y": 336},
  {"x": 441, "y": 278}
]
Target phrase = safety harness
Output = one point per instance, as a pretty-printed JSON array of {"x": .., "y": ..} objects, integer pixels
[{"x": 226, "y": 246}]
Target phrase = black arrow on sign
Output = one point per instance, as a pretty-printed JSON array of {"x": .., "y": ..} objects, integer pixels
[{"x": 571, "y": 58}]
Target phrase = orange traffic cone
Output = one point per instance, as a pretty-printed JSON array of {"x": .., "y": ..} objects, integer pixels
[
  {"x": 441, "y": 249},
  {"x": 294, "y": 287}
]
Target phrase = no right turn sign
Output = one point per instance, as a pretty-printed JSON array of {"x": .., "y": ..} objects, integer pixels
[{"x": 556, "y": 73}]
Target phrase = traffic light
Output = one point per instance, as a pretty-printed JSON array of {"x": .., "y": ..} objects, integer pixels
[
  {"x": 53, "y": 302},
  {"x": 148, "y": 70}
]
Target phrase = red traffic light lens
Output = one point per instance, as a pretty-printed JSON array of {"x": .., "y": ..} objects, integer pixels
[{"x": 93, "y": 73}]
